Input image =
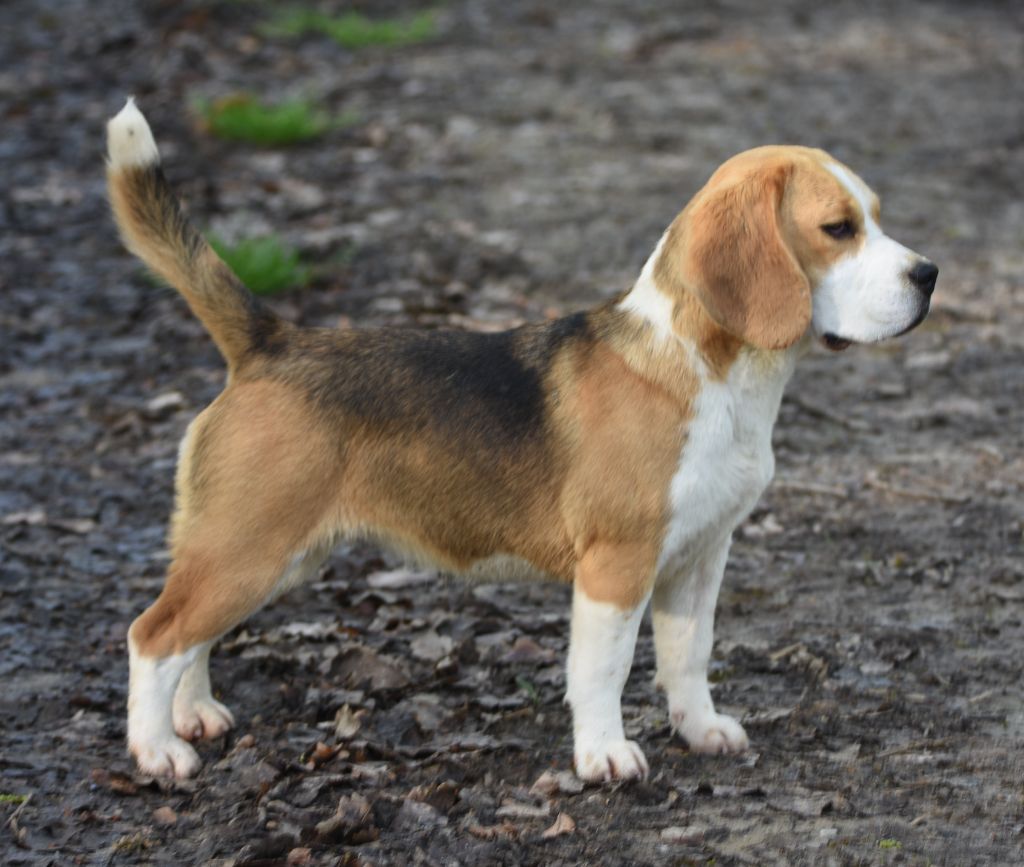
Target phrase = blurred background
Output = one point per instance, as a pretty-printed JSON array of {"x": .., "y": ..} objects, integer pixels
[{"x": 478, "y": 164}]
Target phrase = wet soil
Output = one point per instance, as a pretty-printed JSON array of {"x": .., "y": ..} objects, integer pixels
[{"x": 522, "y": 162}]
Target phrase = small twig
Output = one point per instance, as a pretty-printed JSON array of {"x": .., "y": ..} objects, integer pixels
[
  {"x": 20, "y": 834},
  {"x": 872, "y": 481},
  {"x": 788, "y": 650},
  {"x": 811, "y": 488},
  {"x": 912, "y": 747},
  {"x": 981, "y": 696},
  {"x": 822, "y": 412}
]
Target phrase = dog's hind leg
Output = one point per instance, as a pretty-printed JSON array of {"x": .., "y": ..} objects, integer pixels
[
  {"x": 169, "y": 646},
  {"x": 197, "y": 714},
  {"x": 254, "y": 492}
]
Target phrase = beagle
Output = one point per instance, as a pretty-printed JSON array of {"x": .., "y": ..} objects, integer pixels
[{"x": 615, "y": 449}]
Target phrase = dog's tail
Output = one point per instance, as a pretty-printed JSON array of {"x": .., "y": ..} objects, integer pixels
[{"x": 156, "y": 230}]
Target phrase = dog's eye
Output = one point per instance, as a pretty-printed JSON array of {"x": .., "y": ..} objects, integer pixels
[{"x": 840, "y": 231}]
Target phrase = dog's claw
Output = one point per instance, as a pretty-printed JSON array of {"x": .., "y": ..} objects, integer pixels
[
  {"x": 611, "y": 760},
  {"x": 171, "y": 757},
  {"x": 204, "y": 718}
]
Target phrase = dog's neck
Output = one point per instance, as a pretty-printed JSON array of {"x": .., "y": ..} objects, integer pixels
[{"x": 680, "y": 327}]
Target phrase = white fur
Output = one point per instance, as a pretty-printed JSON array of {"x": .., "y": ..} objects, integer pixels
[
  {"x": 727, "y": 459},
  {"x": 195, "y": 712},
  {"x": 684, "y": 619},
  {"x": 725, "y": 465},
  {"x": 600, "y": 655},
  {"x": 130, "y": 141},
  {"x": 867, "y": 296},
  {"x": 151, "y": 737},
  {"x": 648, "y": 302}
]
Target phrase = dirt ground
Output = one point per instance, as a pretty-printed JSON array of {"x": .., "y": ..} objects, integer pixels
[{"x": 523, "y": 161}]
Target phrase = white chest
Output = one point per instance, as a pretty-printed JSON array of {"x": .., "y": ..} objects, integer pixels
[{"x": 726, "y": 460}]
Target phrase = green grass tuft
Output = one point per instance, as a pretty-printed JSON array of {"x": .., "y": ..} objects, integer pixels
[
  {"x": 8, "y": 798},
  {"x": 244, "y": 118},
  {"x": 354, "y": 30},
  {"x": 889, "y": 843},
  {"x": 265, "y": 265}
]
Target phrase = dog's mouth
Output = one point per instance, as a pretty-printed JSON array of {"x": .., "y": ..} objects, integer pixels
[
  {"x": 918, "y": 319},
  {"x": 834, "y": 342}
]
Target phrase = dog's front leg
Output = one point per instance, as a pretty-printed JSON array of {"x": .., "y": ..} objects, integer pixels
[
  {"x": 684, "y": 619},
  {"x": 600, "y": 655}
]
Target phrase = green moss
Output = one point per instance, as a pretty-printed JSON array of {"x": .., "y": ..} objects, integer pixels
[
  {"x": 244, "y": 118},
  {"x": 889, "y": 843},
  {"x": 9, "y": 798},
  {"x": 265, "y": 265},
  {"x": 354, "y": 30}
]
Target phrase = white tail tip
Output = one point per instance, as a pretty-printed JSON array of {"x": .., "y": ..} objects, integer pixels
[{"x": 129, "y": 139}]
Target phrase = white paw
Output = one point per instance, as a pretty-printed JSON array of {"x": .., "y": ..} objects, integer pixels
[
  {"x": 710, "y": 733},
  {"x": 166, "y": 757},
  {"x": 201, "y": 718},
  {"x": 604, "y": 761}
]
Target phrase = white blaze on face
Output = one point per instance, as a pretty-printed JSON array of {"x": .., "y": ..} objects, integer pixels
[{"x": 867, "y": 295}]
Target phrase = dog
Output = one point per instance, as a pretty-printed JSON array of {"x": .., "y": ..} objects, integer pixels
[{"x": 615, "y": 449}]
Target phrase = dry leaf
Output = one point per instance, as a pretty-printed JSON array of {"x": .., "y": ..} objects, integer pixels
[
  {"x": 527, "y": 650},
  {"x": 347, "y": 722},
  {"x": 431, "y": 647},
  {"x": 165, "y": 816},
  {"x": 517, "y": 810},
  {"x": 398, "y": 578},
  {"x": 564, "y": 824},
  {"x": 552, "y": 783},
  {"x": 491, "y": 832}
]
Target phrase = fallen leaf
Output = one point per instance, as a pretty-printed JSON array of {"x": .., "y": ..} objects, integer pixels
[
  {"x": 691, "y": 836},
  {"x": 491, "y": 832},
  {"x": 32, "y": 517},
  {"x": 417, "y": 816},
  {"x": 431, "y": 647},
  {"x": 351, "y": 823},
  {"x": 315, "y": 630},
  {"x": 563, "y": 824},
  {"x": 527, "y": 650},
  {"x": 81, "y": 526},
  {"x": 552, "y": 783},
  {"x": 517, "y": 810},
  {"x": 347, "y": 722},
  {"x": 115, "y": 781},
  {"x": 165, "y": 816},
  {"x": 321, "y": 754},
  {"x": 299, "y": 857},
  {"x": 398, "y": 578},
  {"x": 359, "y": 665},
  {"x": 768, "y": 715},
  {"x": 441, "y": 796}
]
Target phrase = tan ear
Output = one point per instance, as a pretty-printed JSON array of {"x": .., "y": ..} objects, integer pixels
[{"x": 727, "y": 249}]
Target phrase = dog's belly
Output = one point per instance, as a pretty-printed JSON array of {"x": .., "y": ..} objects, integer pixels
[{"x": 505, "y": 567}]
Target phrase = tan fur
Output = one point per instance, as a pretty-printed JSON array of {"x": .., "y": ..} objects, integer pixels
[
  {"x": 746, "y": 279},
  {"x": 154, "y": 228},
  {"x": 255, "y": 489}
]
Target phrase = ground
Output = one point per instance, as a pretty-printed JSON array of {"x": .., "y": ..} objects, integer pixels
[{"x": 522, "y": 161}]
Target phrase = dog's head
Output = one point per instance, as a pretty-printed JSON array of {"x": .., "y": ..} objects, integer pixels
[{"x": 786, "y": 240}]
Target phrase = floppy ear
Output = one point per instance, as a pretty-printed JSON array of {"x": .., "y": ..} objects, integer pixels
[{"x": 727, "y": 249}]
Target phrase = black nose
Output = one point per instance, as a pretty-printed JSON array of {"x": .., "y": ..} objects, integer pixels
[{"x": 923, "y": 276}]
